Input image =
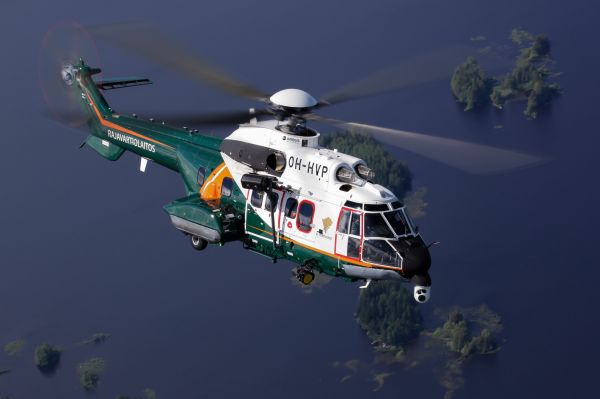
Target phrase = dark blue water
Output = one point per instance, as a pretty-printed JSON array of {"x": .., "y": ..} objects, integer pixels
[{"x": 86, "y": 247}]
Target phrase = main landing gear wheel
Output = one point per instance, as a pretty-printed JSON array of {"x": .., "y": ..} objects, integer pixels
[
  {"x": 305, "y": 276},
  {"x": 198, "y": 243}
]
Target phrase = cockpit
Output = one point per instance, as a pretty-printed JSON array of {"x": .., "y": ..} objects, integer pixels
[{"x": 374, "y": 233}]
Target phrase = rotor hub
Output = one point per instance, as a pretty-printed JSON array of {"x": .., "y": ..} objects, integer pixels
[
  {"x": 293, "y": 98},
  {"x": 68, "y": 74}
]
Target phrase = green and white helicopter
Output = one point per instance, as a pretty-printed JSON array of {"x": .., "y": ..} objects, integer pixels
[{"x": 268, "y": 185}]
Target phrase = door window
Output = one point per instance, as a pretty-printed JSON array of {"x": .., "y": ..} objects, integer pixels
[
  {"x": 344, "y": 222},
  {"x": 355, "y": 224},
  {"x": 306, "y": 212},
  {"x": 348, "y": 239}
]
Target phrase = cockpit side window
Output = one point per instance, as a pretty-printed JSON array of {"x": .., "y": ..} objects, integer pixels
[{"x": 355, "y": 224}]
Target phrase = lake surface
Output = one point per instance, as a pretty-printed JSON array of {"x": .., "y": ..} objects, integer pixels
[{"x": 86, "y": 247}]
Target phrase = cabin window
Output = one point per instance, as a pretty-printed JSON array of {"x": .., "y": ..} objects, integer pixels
[
  {"x": 201, "y": 175},
  {"x": 257, "y": 198},
  {"x": 306, "y": 212},
  {"x": 226, "y": 187},
  {"x": 272, "y": 199},
  {"x": 291, "y": 207}
]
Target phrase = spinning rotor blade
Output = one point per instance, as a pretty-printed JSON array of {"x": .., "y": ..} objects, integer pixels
[
  {"x": 64, "y": 44},
  {"x": 435, "y": 65},
  {"x": 147, "y": 42},
  {"x": 217, "y": 118},
  {"x": 469, "y": 157}
]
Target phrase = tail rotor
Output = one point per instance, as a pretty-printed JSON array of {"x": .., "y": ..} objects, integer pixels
[{"x": 63, "y": 47}]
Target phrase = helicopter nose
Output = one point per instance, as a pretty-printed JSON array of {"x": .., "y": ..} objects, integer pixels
[{"x": 417, "y": 261}]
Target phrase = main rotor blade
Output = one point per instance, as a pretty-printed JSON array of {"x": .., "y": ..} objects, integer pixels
[
  {"x": 428, "y": 67},
  {"x": 217, "y": 118},
  {"x": 469, "y": 157},
  {"x": 155, "y": 46}
]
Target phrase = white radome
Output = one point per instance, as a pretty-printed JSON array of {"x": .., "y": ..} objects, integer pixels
[{"x": 293, "y": 98}]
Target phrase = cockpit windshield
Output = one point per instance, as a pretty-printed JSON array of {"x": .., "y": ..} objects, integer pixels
[
  {"x": 375, "y": 226},
  {"x": 398, "y": 220}
]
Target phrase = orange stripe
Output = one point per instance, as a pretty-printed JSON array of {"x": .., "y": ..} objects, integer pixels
[
  {"x": 211, "y": 189},
  {"x": 106, "y": 123},
  {"x": 357, "y": 262}
]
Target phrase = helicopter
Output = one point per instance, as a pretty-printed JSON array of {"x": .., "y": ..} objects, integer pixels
[{"x": 268, "y": 184}]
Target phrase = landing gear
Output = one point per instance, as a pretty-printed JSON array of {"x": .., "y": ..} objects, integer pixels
[
  {"x": 198, "y": 243},
  {"x": 305, "y": 275}
]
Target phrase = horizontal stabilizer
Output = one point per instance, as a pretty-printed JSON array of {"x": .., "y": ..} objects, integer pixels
[{"x": 119, "y": 83}]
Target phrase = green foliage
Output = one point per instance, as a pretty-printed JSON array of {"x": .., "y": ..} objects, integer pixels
[
  {"x": 90, "y": 371},
  {"x": 520, "y": 37},
  {"x": 389, "y": 172},
  {"x": 388, "y": 314},
  {"x": 529, "y": 77},
  {"x": 46, "y": 356},
  {"x": 527, "y": 81},
  {"x": 14, "y": 348},
  {"x": 459, "y": 332},
  {"x": 150, "y": 393},
  {"x": 469, "y": 84},
  {"x": 415, "y": 203}
]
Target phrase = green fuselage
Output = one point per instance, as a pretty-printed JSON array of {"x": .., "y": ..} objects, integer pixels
[{"x": 185, "y": 153}]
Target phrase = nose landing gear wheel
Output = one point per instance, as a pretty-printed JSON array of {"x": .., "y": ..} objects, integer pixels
[{"x": 198, "y": 243}]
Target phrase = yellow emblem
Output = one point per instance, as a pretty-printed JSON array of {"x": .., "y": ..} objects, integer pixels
[{"x": 327, "y": 222}]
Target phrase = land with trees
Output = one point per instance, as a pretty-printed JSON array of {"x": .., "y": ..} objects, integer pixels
[
  {"x": 529, "y": 80},
  {"x": 389, "y": 315},
  {"x": 90, "y": 371},
  {"x": 14, "y": 348},
  {"x": 47, "y": 357}
]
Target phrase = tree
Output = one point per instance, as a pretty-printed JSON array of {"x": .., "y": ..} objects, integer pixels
[
  {"x": 388, "y": 314},
  {"x": 47, "y": 356},
  {"x": 90, "y": 371},
  {"x": 469, "y": 84}
]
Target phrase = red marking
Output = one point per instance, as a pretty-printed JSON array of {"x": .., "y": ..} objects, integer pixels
[{"x": 289, "y": 225}]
